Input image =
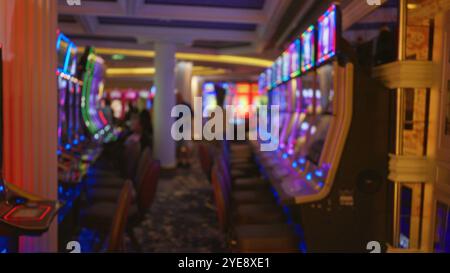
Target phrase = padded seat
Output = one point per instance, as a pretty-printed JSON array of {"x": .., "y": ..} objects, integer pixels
[
  {"x": 103, "y": 194},
  {"x": 265, "y": 239},
  {"x": 252, "y": 197},
  {"x": 258, "y": 214},
  {"x": 106, "y": 182},
  {"x": 244, "y": 173},
  {"x": 249, "y": 184},
  {"x": 100, "y": 215}
]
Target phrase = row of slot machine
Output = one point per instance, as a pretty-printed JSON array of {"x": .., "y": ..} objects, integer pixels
[
  {"x": 330, "y": 165},
  {"x": 240, "y": 94},
  {"x": 82, "y": 125}
]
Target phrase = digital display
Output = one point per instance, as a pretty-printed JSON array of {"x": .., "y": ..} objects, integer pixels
[
  {"x": 269, "y": 78},
  {"x": 262, "y": 82},
  {"x": 308, "y": 49},
  {"x": 279, "y": 70},
  {"x": 327, "y": 35},
  {"x": 209, "y": 97},
  {"x": 286, "y": 66},
  {"x": 274, "y": 75},
  {"x": 62, "y": 49},
  {"x": 294, "y": 58}
]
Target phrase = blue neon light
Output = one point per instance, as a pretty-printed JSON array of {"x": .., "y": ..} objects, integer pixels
[
  {"x": 68, "y": 146},
  {"x": 319, "y": 173},
  {"x": 309, "y": 177}
]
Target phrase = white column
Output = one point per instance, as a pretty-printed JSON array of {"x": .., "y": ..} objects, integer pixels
[
  {"x": 164, "y": 144},
  {"x": 28, "y": 35},
  {"x": 183, "y": 80}
]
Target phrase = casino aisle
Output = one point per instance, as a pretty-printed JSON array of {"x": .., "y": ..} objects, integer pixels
[
  {"x": 257, "y": 126},
  {"x": 183, "y": 216}
]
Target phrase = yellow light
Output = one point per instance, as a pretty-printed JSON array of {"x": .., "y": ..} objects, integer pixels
[
  {"x": 228, "y": 59},
  {"x": 412, "y": 6},
  {"x": 150, "y": 71},
  {"x": 120, "y": 72}
]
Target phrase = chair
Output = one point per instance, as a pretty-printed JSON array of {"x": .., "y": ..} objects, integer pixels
[
  {"x": 115, "y": 240},
  {"x": 100, "y": 213},
  {"x": 109, "y": 194}
]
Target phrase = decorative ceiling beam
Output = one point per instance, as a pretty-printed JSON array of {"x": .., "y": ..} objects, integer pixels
[
  {"x": 176, "y": 35},
  {"x": 138, "y": 9}
]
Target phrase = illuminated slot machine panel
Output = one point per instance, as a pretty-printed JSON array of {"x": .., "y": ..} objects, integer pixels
[
  {"x": 342, "y": 177},
  {"x": 209, "y": 97},
  {"x": 63, "y": 47},
  {"x": 92, "y": 93},
  {"x": 242, "y": 100}
]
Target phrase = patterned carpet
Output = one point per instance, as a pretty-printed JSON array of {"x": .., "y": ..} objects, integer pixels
[{"x": 183, "y": 217}]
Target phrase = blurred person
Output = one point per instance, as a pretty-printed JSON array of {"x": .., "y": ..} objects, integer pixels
[{"x": 107, "y": 111}]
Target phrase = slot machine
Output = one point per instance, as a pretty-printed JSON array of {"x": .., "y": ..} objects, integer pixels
[
  {"x": 338, "y": 191},
  {"x": 342, "y": 192},
  {"x": 209, "y": 97},
  {"x": 91, "y": 70}
]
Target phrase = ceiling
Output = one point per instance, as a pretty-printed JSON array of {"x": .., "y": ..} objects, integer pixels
[
  {"x": 227, "y": 27},
  {"x": 249, "y": 28},
  {"x": 222, "y": 26}
]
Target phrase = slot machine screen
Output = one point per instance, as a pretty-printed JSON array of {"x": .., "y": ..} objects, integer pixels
[
  {"x": 269, "y": 77},
  {"x": 274, "y": 75},
  {"x": 62, "y": 47},
  {"x": 294, "y": 58},
  {"x": 262, "y": 82},
  {"x": 327, "y": 35},
  {"x": 279, "y": 70},
  {"x": 308, "y": 49},
  {"x": 286, "y": 66},
  {"x": 209, "y": 97}
]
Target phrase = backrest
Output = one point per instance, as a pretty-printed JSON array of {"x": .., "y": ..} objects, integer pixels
[
  {"x": 220, "y": 197},
  {"x": 223, "y": 168},
  {"x": 142, "y": 166},
  {"x": 132, "y": 153},
  {"x": 115, "y": 242},
  {"x": 148, "y": 185},
  {"x": 205, "y": 159}
]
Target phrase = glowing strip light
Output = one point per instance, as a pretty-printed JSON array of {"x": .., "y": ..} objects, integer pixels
[
  {"x": 228, "y": 59},
  {"x": 149, "y": 71}
]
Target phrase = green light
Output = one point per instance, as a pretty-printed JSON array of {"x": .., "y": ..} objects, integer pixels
[{"x": 118, "y": 57}]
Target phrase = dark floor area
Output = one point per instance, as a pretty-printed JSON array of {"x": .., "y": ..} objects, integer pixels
[{"x": 183, "y": 217}]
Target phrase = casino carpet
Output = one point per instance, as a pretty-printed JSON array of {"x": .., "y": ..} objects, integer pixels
[{"x": 182, "y": 217}]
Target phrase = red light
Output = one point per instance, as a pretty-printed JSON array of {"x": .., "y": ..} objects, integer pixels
[{"x": 9, "y": 216}]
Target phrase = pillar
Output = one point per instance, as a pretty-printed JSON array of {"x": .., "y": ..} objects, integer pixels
[
  {"x": 183, "y": 80},
  {"x": 28, "y": 35},
  {"x": 164, "y": 144}
]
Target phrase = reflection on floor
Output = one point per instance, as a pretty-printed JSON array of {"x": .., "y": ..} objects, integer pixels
[{"x": 183, "y": 217}]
